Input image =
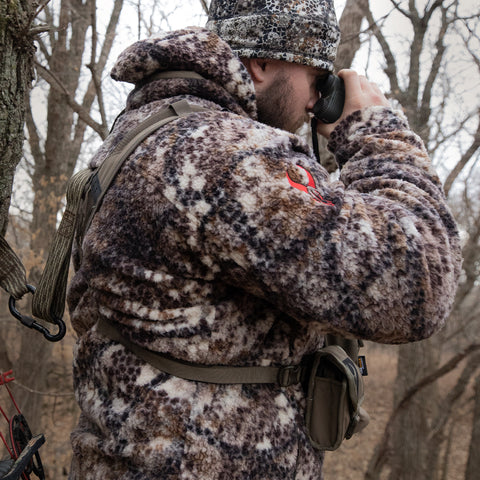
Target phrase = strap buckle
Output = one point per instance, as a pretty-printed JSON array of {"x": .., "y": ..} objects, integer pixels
[{"x": 290, "y": 375}]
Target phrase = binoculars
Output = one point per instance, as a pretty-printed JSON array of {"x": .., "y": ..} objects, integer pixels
[{"x": 329, "y": 107}]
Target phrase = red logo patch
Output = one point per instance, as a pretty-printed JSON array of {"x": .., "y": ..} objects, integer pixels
[{"x": 311, "y": 188}]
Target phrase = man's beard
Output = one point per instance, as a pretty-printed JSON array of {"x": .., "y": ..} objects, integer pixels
[{"x": 274, "y": 105}]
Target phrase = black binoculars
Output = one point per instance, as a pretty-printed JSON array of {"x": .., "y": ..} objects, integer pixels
[{"x": 329, "y": 107}]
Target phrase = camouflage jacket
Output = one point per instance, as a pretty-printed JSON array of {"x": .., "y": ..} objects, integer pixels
[{"x": 223, "y": 241}]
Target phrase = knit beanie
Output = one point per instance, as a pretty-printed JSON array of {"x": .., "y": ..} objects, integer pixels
[{"x": 298, "y": 31}]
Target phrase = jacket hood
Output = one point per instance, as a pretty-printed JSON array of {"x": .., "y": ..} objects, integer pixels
[{"x": 193, "y": 49}]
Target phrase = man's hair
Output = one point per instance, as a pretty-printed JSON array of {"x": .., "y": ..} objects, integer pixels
[{"x": 298, "y": 31}]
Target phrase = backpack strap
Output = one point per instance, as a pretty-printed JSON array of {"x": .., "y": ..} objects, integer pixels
[{"x": 219, "y": 374}]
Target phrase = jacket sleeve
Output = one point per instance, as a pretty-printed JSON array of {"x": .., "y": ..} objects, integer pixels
[{"x": 373, "y": 255}]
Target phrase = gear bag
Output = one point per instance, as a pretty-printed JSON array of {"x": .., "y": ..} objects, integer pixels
[{"x": 334, "y": 399}]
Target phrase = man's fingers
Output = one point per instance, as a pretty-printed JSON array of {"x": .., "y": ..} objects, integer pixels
[
  {"x": 359, "y": 93},
  {"x": 351, "y": 79}
]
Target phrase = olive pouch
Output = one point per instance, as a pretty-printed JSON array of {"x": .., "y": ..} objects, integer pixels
[{"x": 334, "y": 396}]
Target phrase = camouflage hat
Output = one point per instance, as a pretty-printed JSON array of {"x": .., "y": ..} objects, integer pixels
[{"x": 298, "y": 31}]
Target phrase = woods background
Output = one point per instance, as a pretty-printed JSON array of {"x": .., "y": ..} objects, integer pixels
[{"x": 56, "y": 105}]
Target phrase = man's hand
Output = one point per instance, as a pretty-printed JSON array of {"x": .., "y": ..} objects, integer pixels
[{"x": 359, "y": 93}]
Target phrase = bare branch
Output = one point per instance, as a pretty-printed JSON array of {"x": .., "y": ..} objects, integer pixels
[
  {"x": 92, "y": 65},
  {"x": 41, "y": 6},
  {"x": 452, "y": 397},
  {"x": 94, "y": 89},
  {"x": 391, "y": 68},
  {"x": 38, "y": 29},
  {"x": 49, "y": 19},
  {"x": 110, "y": 34},
  {"x": 204, "y": 6},
  {"x": 33, "y": 136},
  {"x": 93, "y": 16},
  {"x": 460, "y": 126},
  {"x": 429, "y": 11},
  {"x": 79, "y": 109},
  {"x": 466, "y": 41},
  {"x": 425, "y": 108},
  {"x": 401, "y": 10},
  {"x": 474, "y": 146}
]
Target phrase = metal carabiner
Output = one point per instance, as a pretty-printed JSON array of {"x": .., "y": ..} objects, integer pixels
[{"x": 32, "y": 323}]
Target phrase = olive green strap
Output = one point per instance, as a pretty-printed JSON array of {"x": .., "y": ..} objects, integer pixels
[
  {"x": 283, "y": 376},
  {"x": 49, "y": 299},
  {"x": 12, "y": 272}
]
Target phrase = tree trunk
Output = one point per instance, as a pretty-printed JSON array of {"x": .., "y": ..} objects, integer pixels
[
  {"x": 16, "y": 74},
  {"x": 410, "y": 445},
  {"x": 16, "y": 56},
  {"x": 350, "y": 25},
  {"x": 473, "y": 464}
]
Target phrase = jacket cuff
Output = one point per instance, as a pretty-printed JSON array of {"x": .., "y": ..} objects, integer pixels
[{"x": 346, "y": 140}]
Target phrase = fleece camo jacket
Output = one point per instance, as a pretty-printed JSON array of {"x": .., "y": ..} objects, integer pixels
[{"x": 222, "y": 241}]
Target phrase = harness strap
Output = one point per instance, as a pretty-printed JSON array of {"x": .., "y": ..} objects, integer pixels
[
  {"x": 169, "y": 74},
  {"x": 12, "y": 272},
  {"x": 85, "y": 192},
  {"x": 103, "y": 177},
  {"x": 219, "y": 374}
]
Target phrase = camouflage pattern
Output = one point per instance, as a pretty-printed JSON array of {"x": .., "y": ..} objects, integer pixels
[
  {"x": 223, "y": 241},
  {"x": 298, "y": 31}
]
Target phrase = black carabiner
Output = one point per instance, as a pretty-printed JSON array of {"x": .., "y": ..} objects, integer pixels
[{"x": 32, "y": 323}]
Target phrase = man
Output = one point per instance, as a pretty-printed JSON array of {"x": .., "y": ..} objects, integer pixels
[{"x": 223, "y": 242}]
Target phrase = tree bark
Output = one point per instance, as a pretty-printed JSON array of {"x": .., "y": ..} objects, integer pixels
[
  {"x": 473, "y": 463},
  {"x": 350, "y": 26},
  {"x": 410, "y": 440},
  {"x": 16, "y": 74}
]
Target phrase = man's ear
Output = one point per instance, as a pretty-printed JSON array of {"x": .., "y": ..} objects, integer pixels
[{"x": 257, "y": 68}]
